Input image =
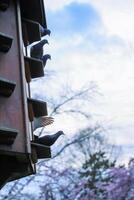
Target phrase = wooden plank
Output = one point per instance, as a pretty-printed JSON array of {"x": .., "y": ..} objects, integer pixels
[
  {"x": 7, "y": 136},
  {"x": 6, "y": 87},
  {"x": 4, "y": 4},
  {"x": 5, "y": 42},
  {"x": 34, "y": 10},
  {"x": 39, "y": 108},
  {"x": 31, "y": 31},
  {"x": 33, "y": 68}
]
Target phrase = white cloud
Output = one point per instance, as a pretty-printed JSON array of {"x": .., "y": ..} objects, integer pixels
[
  {"x": 117, "y": 16},
  {"x": 109, "y": 63},
  {"x": 55, "y": 5}
]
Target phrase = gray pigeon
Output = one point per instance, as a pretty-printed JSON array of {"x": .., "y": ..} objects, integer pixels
[
  {"x": 48, "y": 140},
  {"x": 45, "y": 58},
  {"x": 36, "y": 50},
  {"x": 44, "y": 31}
]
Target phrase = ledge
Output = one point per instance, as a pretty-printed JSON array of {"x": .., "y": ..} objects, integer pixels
[
  {"x": 4, "y": 4},
  {"x": 6, "y": 87},
  {"x": 7, "y": 136},
  {"x": 5, "y": 42},
  {"x": 34, "y": 10},
  {"x": 31, "y": 31},
  {"x": 41, "y": 151},
  {"x": 33, "y": 68},
  {"x": 36, "y": 108}
]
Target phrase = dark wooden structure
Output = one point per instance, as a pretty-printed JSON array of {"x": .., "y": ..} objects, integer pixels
[{"x": 17, "y": 110}]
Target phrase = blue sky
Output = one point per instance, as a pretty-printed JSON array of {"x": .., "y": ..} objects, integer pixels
[
  {"x": 94, "y": 41},
  {"x": 75, "y": 17}
]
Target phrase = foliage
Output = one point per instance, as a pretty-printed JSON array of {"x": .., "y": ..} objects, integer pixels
[
  {"x": 82, "y": 168},
  {"x": 95, "y": 177},
  {"x": 101, "y": 179}
]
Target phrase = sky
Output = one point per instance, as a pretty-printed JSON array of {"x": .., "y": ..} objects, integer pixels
[{"x": 94, "y": 41}]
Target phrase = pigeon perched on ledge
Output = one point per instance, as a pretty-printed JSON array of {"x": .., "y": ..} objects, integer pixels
[
  {"x": 45, "y": 58},
  {"x": 36, "y": 50},
  {"x": 48, "y": 140},
  {"x": 44, "y": 31}
]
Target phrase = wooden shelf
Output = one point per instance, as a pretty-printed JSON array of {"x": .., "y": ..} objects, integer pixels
[
  {"x": 34, "y": 10},
  {"x": 40, "y": 151},
  {"x": 6, "y": 87},
  {"x": 4, "y": 4},
  {"x": 31, "y": 31},
  {"x": 11, "y": 168},
  {"x": 5, "y": 42},
  {"x": 33, "y": 68},
  {"x": 36, "y": 108},
  {"x": 7, "y": 136}
]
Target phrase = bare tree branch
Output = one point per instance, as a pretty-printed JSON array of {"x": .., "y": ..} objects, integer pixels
[{"x": 75, "y": 96}]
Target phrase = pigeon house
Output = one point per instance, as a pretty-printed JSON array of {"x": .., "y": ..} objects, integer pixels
[{"x": 19, "y": 27}]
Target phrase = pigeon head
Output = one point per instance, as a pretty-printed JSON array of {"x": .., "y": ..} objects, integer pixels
[
  {"x": 60, "y": 133},
  {"x": 45, "y": 58},
  {"x": 46, "y": 32},
  {"x": 43, "y": 42}
]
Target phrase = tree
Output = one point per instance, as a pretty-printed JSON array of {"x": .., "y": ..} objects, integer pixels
[
  {"x": 64, "y": 104},
  {"x": 92, "y": 176},
  {"x": 122, "y": 185},
  {"x": 81, "y": 179}
]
